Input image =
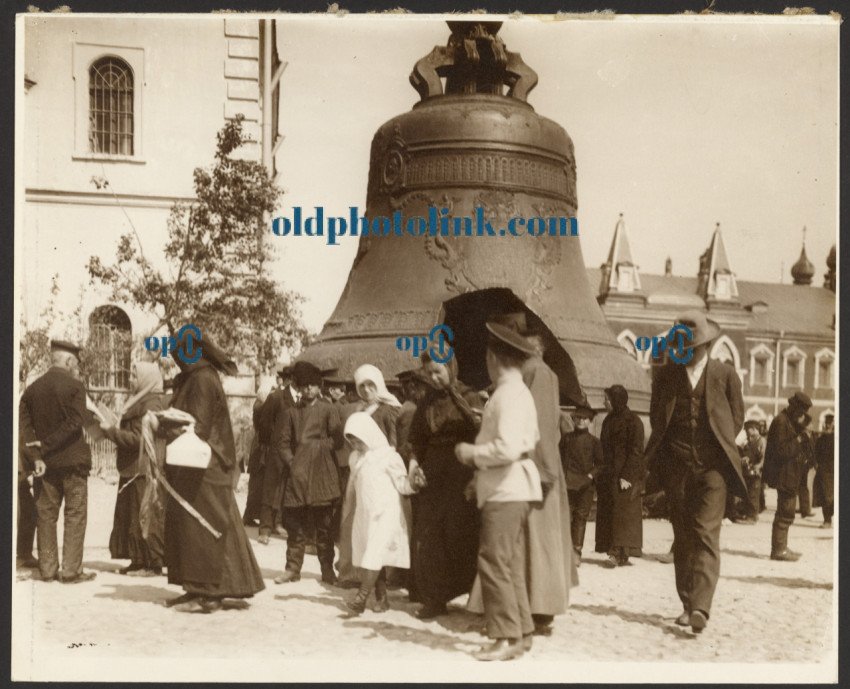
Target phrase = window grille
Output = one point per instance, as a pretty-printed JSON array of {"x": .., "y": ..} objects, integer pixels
[
  {"x": 109, "y": 348},
  {"x": 111, "y": 122}
]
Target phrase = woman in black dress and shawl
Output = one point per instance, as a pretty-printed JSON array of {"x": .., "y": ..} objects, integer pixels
[
  {"x": 208, "y": 568},
  {"x": 445, "y": 533}
]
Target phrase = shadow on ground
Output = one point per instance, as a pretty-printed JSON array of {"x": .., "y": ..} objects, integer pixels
[
  {"x": 786, "y": 582},
  {"x": 746, "y": 553},
  {"x": 138, "y": 594},
  {"x": 664, "y": 624},
  {"x": 420, "y": 637}
]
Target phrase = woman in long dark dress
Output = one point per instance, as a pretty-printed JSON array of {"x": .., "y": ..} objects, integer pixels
[
  {"x": 208, "y": 568},
  {"x": 619, "y": 513},
  {"x": 126, "y": 540},
  {"x": 445, "y": 532}
]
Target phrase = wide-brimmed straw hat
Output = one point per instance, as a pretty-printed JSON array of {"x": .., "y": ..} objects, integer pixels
[
  {"x": 511, "y": 338},
  {"x": 702, "y": 328}
]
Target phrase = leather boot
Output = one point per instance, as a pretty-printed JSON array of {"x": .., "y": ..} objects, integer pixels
[
  {"x": 358, "y": 604},
  {"x": 382, "y": 602},
  {"x": 779, "y": 540}
]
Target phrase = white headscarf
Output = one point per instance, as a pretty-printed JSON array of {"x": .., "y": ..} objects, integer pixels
[
  {"x": 363, "y": 427},
  {"x": 372, "y": 374}
]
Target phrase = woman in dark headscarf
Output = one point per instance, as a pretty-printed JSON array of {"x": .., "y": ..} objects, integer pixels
[
  {"x": 619, "y": 513},
  {"x": 126, "y": 540},
  {"x": 208, "y": 568},
  {"x": 445, "y": 533}
]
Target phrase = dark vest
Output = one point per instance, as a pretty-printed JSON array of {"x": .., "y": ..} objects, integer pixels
[{"x": 689, "y": 431}]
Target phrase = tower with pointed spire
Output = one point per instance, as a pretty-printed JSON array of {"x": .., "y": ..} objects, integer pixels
[
  {"x": 716, "y": 283},
  {"x": 803, "y": 270},
  {"x": 619, "y": 273}
]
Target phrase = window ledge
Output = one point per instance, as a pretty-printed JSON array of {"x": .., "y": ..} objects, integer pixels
[{"x": 105, "y": 158}]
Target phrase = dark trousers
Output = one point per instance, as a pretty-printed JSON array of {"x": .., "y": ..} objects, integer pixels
[
  {"x": 762, "y": 505},
  {"x": 27, "y": 516},
  {"x": 271, "y": 495},
  {"x": 804, "y": 494},
  {"x": 752, "y": 506},
  {"x": 300, "y": 523},
  {"x": 581, "y": 502},
  {"x": 71, "y": 485},
  {"x": 786, "y": 501},
  {"x": 254, "y": 502},
  {"x": 501, "y": 568},
  {"x": 697, "y": 504}
]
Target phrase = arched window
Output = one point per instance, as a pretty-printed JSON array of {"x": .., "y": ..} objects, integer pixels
[
  {"x": 824, "y": 369},
  {"x": 793, "y": 367},
  {"x": 109, "y": 347},
  {"x": 761, "y": 365},
  {"x": 627, "y": 340},
  {"x": 111, "y": 124}
]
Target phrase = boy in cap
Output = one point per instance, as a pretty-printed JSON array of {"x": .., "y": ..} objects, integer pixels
[
  {"x": 789, "y": 451},
  {"x": 52, "y": 415},
  {"x": 581, "y": 454},
  {"x": 306, "y": 440},
  {"x": 506, "y": 481}
]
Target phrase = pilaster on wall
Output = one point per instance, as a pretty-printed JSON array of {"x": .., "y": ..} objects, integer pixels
[{"x": 242, "y": 76}]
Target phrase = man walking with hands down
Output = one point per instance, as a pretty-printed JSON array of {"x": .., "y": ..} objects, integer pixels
[
  {"x": 788, "y": 453},
  {"x": 506, "y": 480},
  {"x": 695, "y": 412}
]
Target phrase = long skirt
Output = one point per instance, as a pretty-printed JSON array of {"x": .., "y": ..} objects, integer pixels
[
  {"x": 619, "y": 518},
  {"x": 126, "y": 540},
  {"x": 445, "y": 543},
  {"x": 223, "y": 567}
]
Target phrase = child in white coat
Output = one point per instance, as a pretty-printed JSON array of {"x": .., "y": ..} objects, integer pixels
[{"x": 380, "y": 533}]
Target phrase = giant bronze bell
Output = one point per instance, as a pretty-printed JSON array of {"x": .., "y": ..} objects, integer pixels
[{"x": 466, "y": 145}]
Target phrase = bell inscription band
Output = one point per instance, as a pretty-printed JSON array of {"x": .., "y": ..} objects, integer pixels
[{"x": 473, "y": 141}]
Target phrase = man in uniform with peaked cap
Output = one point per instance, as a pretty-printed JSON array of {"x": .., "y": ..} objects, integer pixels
[{"x": 52, "y": 414}]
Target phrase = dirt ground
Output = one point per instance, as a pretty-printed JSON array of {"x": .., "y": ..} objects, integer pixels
[{"x": 772, "y": 616}]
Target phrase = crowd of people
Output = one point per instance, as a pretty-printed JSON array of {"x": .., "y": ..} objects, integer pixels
[{"x": 453, "y": 491}]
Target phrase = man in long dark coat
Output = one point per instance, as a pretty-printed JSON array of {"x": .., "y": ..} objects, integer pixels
[
  {"x": 274, "y": 476},
  {"x": 581, "y": 454},
  {"x": 696, "y": 412},
  {"x": 825, "y": 476},
  {"x": 306, "y": 439},
  {"x": 619, "y": 514},
  {"x": 551, "y": 571},
  {"x": 787, "y": 456},
  {"x": 257, "y": 460},
  {"x": 52, "y": 414}
]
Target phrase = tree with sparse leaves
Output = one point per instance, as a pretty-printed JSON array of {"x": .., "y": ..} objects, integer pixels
[{"x": 217, "y": 263}]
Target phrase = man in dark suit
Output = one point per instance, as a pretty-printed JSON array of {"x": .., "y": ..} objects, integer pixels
[
  {"x": 52, "y": 412},
  {"x": 273, "y": 408},
  {"x": 696, "y": 412},
  {"x": 787, "y": 456}
]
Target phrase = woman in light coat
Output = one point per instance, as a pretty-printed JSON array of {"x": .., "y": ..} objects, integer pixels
[{"x": 380, "y": 534}]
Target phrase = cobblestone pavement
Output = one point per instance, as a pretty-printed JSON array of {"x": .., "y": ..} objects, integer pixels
[{"x": 764, "y": 613}]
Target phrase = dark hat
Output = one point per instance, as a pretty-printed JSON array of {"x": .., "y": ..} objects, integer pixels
[
  {"x": 305, "y": 373},
  {"x": 417, "y": 375},
  {"x": 829, "y": 418},
  {"x": 800, "y": 400},
  {"x": 618, "y": 395},
  {"x": 516, "y": 321},
  {"x": 65, "y": 346},
  {"x": 285, "y": 372},
  {"x": 511, "y": 338},
  {"x": 703, "y": 328},
  {"x": 583, "y": 412},
  {"x": 752, "y": 423}
]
